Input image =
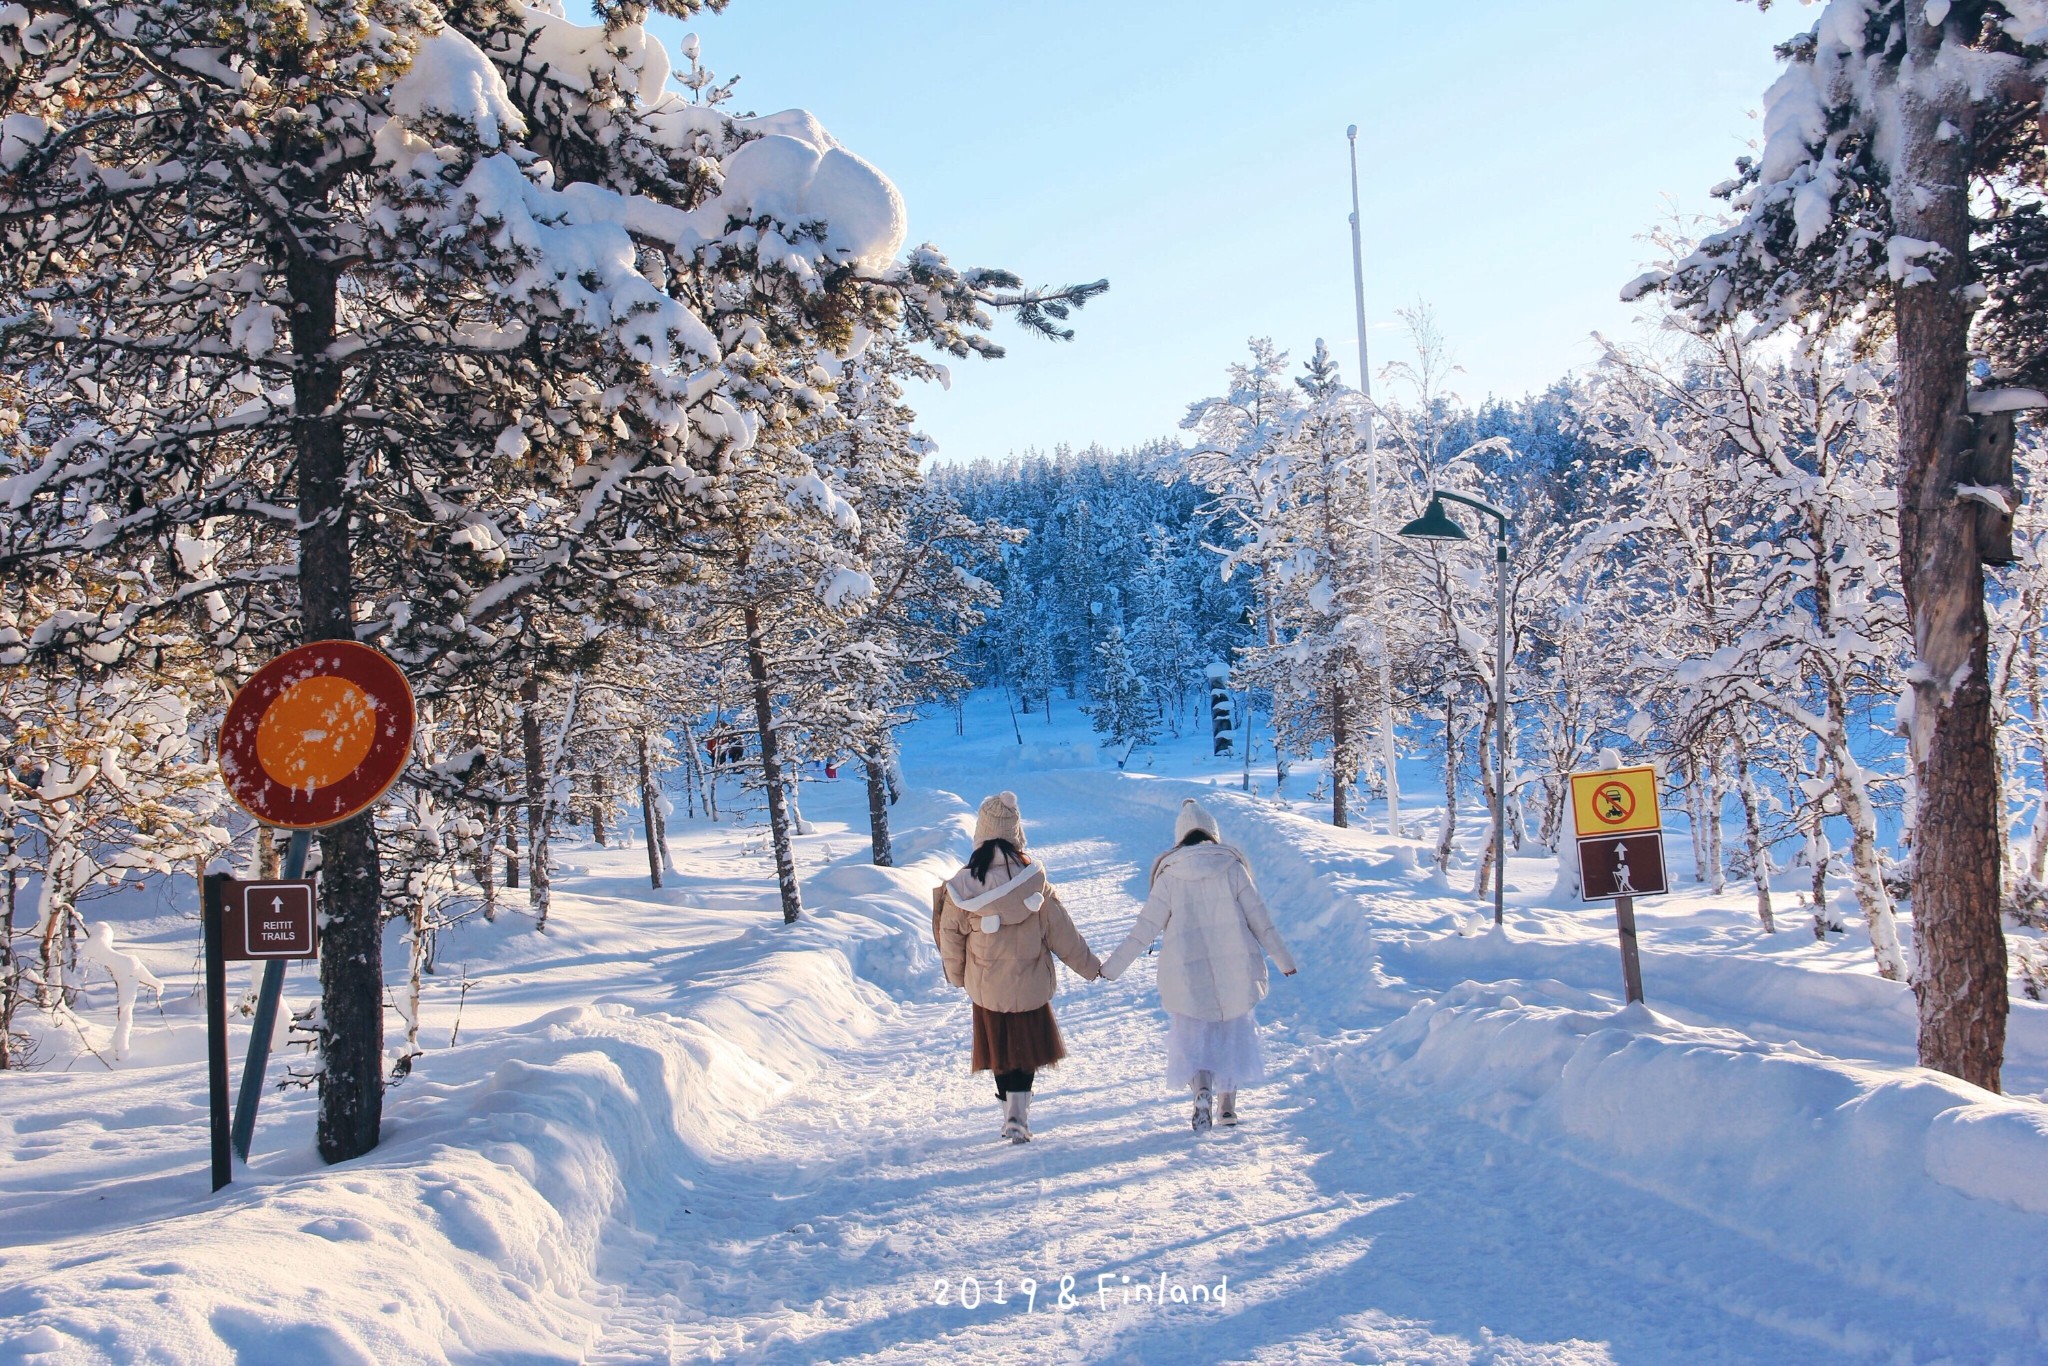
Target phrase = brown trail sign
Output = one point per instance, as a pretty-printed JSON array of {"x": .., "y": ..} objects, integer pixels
[{"x": 268, "y": 920}]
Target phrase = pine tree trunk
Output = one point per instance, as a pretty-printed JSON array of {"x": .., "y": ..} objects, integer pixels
[
  {"x": 352, "y": 948},
  {"x": 538, "y": 816},
  {"x": 597, "y": 796},
  {"x": 878, "y": 806},
  {"x": 10, "y": 966},
  {"x": 648, "y": 821},
  {"x": 511, "y": 841},
  {"x": 487, "y": 864},
  {"x": 1753, "y": 831},
  {"x": 771, "y": 771},
  {"x": 1961, "y": 982}
]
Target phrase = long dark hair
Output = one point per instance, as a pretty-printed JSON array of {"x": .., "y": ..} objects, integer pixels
[
  {"x": 1196, "y": 836},
  {"x": 984, "y": 858}
]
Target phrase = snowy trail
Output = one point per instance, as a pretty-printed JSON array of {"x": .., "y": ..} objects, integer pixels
[{"x": 1351, "y": 1222}]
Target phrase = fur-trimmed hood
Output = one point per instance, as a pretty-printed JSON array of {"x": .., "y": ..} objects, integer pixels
[{"x": 1009, "y": 902}]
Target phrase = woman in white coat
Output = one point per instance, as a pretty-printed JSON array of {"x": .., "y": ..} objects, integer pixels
[{"x": 1212, "y": 970}]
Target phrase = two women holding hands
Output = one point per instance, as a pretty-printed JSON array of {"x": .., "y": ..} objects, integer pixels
[{"x": 999, "y": 923}]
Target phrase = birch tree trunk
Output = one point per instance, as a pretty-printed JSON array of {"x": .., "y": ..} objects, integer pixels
[
  {"x": 1711, "y": 794},
  {"x": 1448, "y": 831},
  {"x": 648, "y": 821},
  {"x": 1753, "y": 832},
  {"x": 1866, "y": 872}
]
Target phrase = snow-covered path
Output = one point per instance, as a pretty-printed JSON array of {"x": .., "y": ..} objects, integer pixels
[
  {"x": 1352, "y": 1222},
  {"x": 675, "y": 1129}
]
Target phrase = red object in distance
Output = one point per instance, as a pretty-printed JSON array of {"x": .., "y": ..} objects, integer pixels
[{"x": 317, "y": 735}]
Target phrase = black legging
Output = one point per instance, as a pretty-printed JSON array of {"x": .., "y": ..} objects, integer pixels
[{"x": 1017, "y": 1080}]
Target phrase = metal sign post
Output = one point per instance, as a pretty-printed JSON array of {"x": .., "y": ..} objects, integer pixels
[{"x": 216, "y": 1027}]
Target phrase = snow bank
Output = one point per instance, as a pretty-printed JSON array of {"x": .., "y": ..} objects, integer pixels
[
  {"x": 512, "y": 1168},
  {"x": 1902, "y": 1180}
]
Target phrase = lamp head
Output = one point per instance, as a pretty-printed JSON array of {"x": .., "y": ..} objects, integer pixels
[
  {"x": 1434, "y": 524},
  {"x": 1352, "y": 132}
]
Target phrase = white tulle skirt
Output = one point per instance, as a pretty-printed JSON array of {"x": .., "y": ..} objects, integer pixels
[{"x": 1228, "y": 1050}]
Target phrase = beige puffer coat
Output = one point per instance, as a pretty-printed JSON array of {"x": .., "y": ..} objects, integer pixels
[{"x": 997, "y": 938}]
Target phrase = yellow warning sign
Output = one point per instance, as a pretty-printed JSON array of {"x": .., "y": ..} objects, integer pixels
[{"x": 1615, "y": 802}]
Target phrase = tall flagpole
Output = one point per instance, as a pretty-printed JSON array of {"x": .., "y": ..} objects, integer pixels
[{"x": 1372, "y": 465}]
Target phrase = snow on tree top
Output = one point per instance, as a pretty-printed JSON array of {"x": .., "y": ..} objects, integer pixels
[
  {"x": 796, "y": 182},
  {"x": 450, "y": 78},
  {"x": 575, "y": 54}
]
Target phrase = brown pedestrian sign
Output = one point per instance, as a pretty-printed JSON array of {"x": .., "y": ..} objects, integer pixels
[
  {"x": 268, "y": 920},
  {"x": 317, "y": 735},
  {"x": 1622, "y": 865}
]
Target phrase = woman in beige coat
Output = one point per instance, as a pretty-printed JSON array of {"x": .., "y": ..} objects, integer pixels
[
  {"x": 1000, "y": 923},
  {"x": 1212, "y": 971}
]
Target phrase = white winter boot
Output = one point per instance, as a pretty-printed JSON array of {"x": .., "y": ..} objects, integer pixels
[
  {"x": 1226, "y": 1107},
  {"x": 1202, "y": 1102},
  {"x": 1017, "y": 1116}
]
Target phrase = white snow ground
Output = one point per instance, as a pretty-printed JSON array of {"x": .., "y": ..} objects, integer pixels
[{"x": 674, "y": 1130}]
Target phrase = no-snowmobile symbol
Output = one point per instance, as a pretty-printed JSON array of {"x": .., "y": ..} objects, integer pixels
[{"x": 1615, "y": 802}]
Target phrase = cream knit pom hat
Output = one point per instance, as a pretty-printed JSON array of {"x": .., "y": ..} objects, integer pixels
[
  {"x": 1195, "y": 816},
  {"x": 998, "y": 819}
]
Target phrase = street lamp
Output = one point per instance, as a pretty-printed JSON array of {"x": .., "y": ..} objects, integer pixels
[{"x": 1435, "y": 524}]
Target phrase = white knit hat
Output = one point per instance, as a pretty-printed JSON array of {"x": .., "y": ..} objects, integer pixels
[
  {"x": 998, "y": 819},
  {"x": 1195, "y": 816}
]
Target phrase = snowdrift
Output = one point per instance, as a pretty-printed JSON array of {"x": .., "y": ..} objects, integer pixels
[
  {"x": 513, "y": 1168},
  {"x": 1906, "y": 1181}
]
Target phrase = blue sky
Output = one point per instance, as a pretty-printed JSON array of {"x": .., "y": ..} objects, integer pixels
[{"x": 1511, "y": 155}]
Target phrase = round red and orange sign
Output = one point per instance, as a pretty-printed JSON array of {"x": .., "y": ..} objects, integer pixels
[{"x": 317, "y": 735}]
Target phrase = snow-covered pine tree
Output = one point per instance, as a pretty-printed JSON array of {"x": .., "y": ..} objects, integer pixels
[
  {"x": 330, "y": 264},
  {"x": 1119, "y": 704},
  {"x": 895, "y": 648},
  {"x": 1899, "y": 183},
  {"x": 1237, "y": 459}
]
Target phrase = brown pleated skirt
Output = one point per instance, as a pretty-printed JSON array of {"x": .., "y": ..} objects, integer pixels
[{"x": 1010, "y": 1041}]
